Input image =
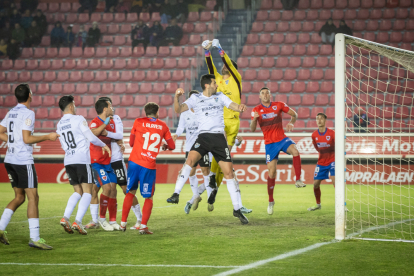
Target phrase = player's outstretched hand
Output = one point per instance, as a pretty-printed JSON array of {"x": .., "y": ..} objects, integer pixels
[
  {"x": 256, "y": 115},
  {"x": 174, "y": 137},
  {"x": 206, "y": 44},
  {"x": 179, "y": 92},
  {"x": 240, "y": 138},
  {"x": 216, "y": 44},
  {"x": 106, "y": 149},
  {"x": 242, "y": 107},
  {"x": 53, "y": 136},
  {"x": 164, "y": 147},
  {"x": 289, "y": 127}
]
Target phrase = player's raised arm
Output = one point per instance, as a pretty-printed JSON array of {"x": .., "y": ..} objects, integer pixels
[
  {"x": 294, "y": 116},
  {"x": 227, "y": 61},
  {"x": 209, "y": 60},
  {"x": 253, "y": 123},
  {"x": 179, "y": 108},
  {"x": 119, "y": 134}
]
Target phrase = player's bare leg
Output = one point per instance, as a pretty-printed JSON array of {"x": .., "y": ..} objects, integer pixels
[
  {"x": 33, "y": 216},
  {"x": 317, "y": 193},
  {"x": 94, "y": 208},
  {"x": 271, "y": 166},
  {"x": 136, "y": 208},
  {"x": 19, "y": 198},
  {"x": 234, "y": 190},
  {"x": 103, "y": 202},
  {"x": 297, "y": 165},
  {"x": 86, "y": 189},
  {"x": 184, "y": 174}
]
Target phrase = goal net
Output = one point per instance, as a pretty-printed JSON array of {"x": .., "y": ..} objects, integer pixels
[{"x": 374, "y": 86}]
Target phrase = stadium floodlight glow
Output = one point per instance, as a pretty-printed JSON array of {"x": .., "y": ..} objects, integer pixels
[{"x": 374, "y": 194}]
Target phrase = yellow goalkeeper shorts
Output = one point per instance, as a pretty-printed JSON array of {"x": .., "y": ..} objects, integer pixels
[{"x": 231, "y": 127}]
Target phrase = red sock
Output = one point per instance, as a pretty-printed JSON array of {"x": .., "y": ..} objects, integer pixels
[
  {"x": 103, "y": 202},
  {"x": 298, "y": 166},
  {"x": 317, "y": 192},
  {"x": 112, "y": 209},
  {"x": 270, "y": 188},
  {"x": 146, "y": 211},
  {"x": 127, "y": 206}
]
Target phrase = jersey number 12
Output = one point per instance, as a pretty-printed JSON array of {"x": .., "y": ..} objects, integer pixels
[{"x": 154, "y": 136}]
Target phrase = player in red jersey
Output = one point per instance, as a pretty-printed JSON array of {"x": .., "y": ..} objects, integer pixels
[
  {"x": 324, "y": 142},
  {"x": 101, "y": 164},
  {"x": 145, "y": 140},
  {"x": 269, "y": 116}
]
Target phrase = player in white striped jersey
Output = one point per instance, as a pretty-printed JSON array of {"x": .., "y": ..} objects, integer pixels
[
  {"x": 189, "y": 123},
  {"x": 118, "y": 165},
  {"x": 19, "y": 127},
  {"x": 75, "y": 138}
]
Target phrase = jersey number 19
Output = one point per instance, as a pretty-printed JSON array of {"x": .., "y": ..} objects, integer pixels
[{"x": 69, "y": 139}]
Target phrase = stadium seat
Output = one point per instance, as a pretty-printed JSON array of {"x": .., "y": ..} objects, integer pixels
[
  {"x": 119, "y": 64},
  {"x": 51, "y": 53},
  {"x": 303, "y": 38},
  {"x": 303, "y": 112},
  {"x": 41, "y": 113},
  {"x": 119, "y": 17},
  {"x": 176, "y": 51},
  {"x": 253, "y": 100},
  {"x": 290, "y": 74},
  {"x": 294, "y": 100},
  {"x": 299, "y": 50},
  {"x": 249, "y": 74},
  {"x": 286, "y": 50},
  {"x": 266, "y": 5},
  {"x": 246, "y": 87},
  {"x": 53, "y": 7},
  {"x": 171, "y": 87},
  {"x": 75, "y": 76},
  {"x": 177, "y": 75},
  {"x": 164, "y": 75},
  {"x": 326, "y": 86},
  {"x": 151, "y": 76},
  {"x": 49, "y": 76},
  {"x": 21, "y": 64},
  {"x": 5, "y": 89},
  {"x": 254, "y": 62},
  {"x": 127, "y": 100},
  {"x": 36, "y": 101},
  {"x": 8, "y": 64},
  {"x": 315, "y": 111},
  {"x": 282, "y": 62},
  {"x": 284, "y": 87},
  {"x": 269, "y": 27},
  {"x": 138, "y": 76},
  {"x": 273, "y": 50},
  {"x": 62, "y": 76},
  {"x": 24, "y": 76},
  {"x": 257, "y": 27},
  {"x": 90, "y": 51},
  {"x": 325, "y": 15},
  {"x": 56, "y": 88},
  {"x": 287, "y": 15},
  {"x": 252, "y": 39},
  {"x": 154, "y": 99},
  {"x": 268, "y": 62},
  {"x": 113, "y": 76},
  {"x": 312, "y": 87},
  {"x": 88, "y": 76},
  {"x": 402, "y": 112},
  {"x": 182, "y": 64},
  {"x": 68, "y": 88},
  {"x": 37, "y": 76},
  {"x": 290, "y": 38},
  {"x": 295, "y": 62},
  {"x": 243, "y": 62},
  {"x": 260, "y": 50},
  {"x": 157, "y": 63},
  {"x": 262, "y": 15},
  {"x": 94, "y": 64},
  {"x": 308, "y": 99},
  {"x": 42, "y": 88},
  {"x": 316, "y": 74},
  {"x": 126, "y": 76}
]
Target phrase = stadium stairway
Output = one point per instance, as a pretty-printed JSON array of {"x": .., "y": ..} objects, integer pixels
[{"x": 227, "y": 36}]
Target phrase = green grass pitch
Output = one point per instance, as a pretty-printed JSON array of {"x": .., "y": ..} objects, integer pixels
[{"x": 201, "y": 238}]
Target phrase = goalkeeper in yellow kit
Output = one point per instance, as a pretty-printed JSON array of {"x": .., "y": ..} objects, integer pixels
[{"x": 230, "y": 84}]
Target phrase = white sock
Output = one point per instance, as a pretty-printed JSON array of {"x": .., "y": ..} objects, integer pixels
[
  {"x": 83, "y": 206},
  {"x": 34, "y": 229},
  {"x": 194, "y": 185},
  {"x": 182, "y": 178},
  {"x": 201, "y": 189},
  {"x": 73, "y": 200},
  {"x": 209, "y": 190},
  {"x": 112, "y": 222},
  {"x": 5, "y": 218},
  {"x": 94, "y": 212},
  {"x": 234, "y": 194},
  {"x": 137, "y": 211}
]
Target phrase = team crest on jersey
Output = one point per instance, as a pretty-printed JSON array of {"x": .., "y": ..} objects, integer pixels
[
  {"x": 197, "y": 145},
  {"x": 85, "y": 123},
  {"x": 112, "y": 125},
  {"x": 316, "y": 138},
  {"x": 145, "y": 188},
  {"x": 10, "y": 178},
  {"x": 93, "y": 125},
  {"x": 104, "y": 177},
  {"x": 274, "y": 107},
  {"x": 328, "y": 138},
  {"x": 253, "y": 113},
  {"x": 261, "y": 110},
  {"x": 227, "y": 82},
  {"x": 28, "y": 122},
  {"x": 216, "y": 99}
]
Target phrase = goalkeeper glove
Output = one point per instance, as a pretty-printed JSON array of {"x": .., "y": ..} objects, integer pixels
[
  {"x": 216, "y": 44},
  {"x": 206, "y": 45}
]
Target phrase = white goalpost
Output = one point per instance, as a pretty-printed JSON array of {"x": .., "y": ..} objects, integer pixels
[{"x": 374, "y": 141}]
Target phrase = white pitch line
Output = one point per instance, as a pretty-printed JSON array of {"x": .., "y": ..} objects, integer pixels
[
  {"x": 303, "y": 250},
  {"x": 277, "y": 258},
  {"x": 124, "y": 265}
]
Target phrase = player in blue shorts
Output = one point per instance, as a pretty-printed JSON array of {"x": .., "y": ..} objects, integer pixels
[{"x": 323, "y": 140}]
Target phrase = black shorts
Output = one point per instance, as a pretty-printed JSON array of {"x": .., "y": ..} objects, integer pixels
[
  {"x": 204, "y": 162},
  {"x": 22, "y": 176},
  {"x": 79, "y": 173},
  {"x": 120, "y": 172},
  {"x": 215, "y": 143}
]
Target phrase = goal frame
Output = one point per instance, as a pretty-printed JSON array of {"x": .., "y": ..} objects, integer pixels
[{"x": 340, "y": 136}]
